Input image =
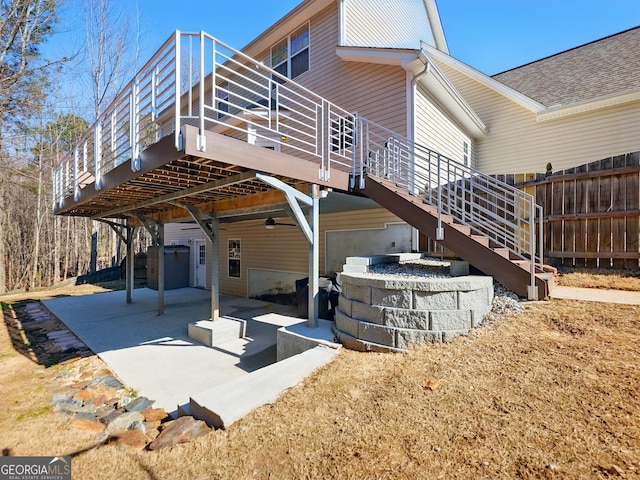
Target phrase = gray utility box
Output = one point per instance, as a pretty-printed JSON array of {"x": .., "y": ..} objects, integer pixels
[{"x": 176, "y": 267}]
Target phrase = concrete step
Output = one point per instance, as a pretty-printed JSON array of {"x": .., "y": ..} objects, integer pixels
[{"x": 221, "y": 406}]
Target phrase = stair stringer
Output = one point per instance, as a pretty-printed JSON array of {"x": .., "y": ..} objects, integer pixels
[{"x": 412, "y": 210}]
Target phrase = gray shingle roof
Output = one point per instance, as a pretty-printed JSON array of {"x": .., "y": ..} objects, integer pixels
[{"x": 605, "y": 67}]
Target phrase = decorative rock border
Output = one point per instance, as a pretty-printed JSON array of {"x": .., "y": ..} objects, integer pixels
[{"x": 387, "y": 313}]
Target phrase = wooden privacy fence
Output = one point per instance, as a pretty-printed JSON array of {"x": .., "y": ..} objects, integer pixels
[{"x": 591, "y": 212}]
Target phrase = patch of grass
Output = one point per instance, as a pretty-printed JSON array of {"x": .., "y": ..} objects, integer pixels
[
  {"x": 613, "y": 279},
  {"x": 31, "y": 414}
]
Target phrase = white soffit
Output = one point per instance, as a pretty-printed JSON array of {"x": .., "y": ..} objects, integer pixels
[
  {"x": 560, "y": 111},
  {"x": 405, "y": 58}
]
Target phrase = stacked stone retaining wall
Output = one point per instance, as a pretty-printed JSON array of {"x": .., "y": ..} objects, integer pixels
[{"x": 389, "y": 313}]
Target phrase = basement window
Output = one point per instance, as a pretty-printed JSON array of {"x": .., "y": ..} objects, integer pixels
[{"x": 290, "y": 56}]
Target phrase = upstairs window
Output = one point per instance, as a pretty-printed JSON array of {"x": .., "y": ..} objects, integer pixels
[
  {"x": 465, "y": 154},
  {"x": 290, "y": 56}
]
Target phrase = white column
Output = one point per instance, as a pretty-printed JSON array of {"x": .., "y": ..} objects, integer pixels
[
  {"x": 215, "y": 270},
  {"x": 160, "y": 268},
  {"x": 314, "y": 256}
]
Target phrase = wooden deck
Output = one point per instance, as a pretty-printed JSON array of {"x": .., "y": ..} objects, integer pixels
[{"x": 220, "y": 179}]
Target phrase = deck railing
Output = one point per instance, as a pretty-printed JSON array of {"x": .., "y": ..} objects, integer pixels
[
  {"x": 506, "y": 215},
  {"x": 197, "y": 80}
]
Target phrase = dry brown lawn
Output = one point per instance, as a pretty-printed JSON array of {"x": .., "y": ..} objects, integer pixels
[
  {"x": 600, "y": 278},
  {"x": 552, "y": 392}
]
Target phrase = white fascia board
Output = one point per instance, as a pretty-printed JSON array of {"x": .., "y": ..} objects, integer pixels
[
  {"x": 436, "y": 25},
  {"x": 304, "y": 12},
  {"x": 405, "y": 58},
  {"x": 560, "y": 111},
  {"x": 487, "y": 81},
  {"x": 439, "y": 86},
  {"x": 414, "y": 61}
]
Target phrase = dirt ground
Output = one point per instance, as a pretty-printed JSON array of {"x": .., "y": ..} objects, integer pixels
[{"x": 552, "y": 392}]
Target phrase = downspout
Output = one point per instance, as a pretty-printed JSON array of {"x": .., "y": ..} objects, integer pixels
[{"x": 412, "y": 130}]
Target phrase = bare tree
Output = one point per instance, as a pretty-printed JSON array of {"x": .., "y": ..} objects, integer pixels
[
  {"x": 24, "y": 25},
  {"x": 112, "y": 50}
]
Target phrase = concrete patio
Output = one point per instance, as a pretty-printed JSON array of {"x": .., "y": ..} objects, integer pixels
[{"x": 154, "y": 355}]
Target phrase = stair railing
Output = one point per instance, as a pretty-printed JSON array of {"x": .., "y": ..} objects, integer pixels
[{"x": 506, "y": 215}]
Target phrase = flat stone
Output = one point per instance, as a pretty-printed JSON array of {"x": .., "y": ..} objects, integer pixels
[
  {"x": 108, "y": 381},
  {"x": 182, "y": 430},
  {"x": 88, "y": 425},
  {"x": 140, "y": 404},
  {"x": 124, "y": 421},
  {"x": 108, "y": 416},
  {"x": 86, "y": 416},
  {"x": 155, "y": 414},
  {"x": 130, "y": 439},
  {"x": 66, "y": 404}
]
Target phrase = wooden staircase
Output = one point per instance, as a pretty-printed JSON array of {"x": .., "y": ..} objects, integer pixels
[{"x": 507, "y": 268}]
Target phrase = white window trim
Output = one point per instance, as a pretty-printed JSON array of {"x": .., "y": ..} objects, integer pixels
[{"x": 288, "y": 60}]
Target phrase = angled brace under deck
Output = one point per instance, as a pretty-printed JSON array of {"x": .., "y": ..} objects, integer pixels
[
  {"x": 204, "y": 219},
  {"x": 117, "y": 228},
  {"x": 293, "y": 197},
  {"x": 130, "y": 256},
  {"x": 310, "y": 228},
  {"x": 152, "y": 226}
]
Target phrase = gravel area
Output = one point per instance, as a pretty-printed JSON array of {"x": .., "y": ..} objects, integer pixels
[
  {"x": 504, "y": 301},
  {"x": 421, "y": 268}
]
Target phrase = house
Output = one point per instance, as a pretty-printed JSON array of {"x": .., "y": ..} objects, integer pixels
[{"x": 344, "y": 129}]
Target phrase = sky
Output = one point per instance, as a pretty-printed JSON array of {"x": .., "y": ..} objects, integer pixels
[{"x": 489, "y": 35}]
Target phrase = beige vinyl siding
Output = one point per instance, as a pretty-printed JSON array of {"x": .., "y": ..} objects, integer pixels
[
  {"x": 386, "y": 23},
  {"x": 377, "y": 92},
  {"x": 436, "y": 131},
  {"x": 285, "y": 249},
  {"x": 517, "y": 143}
]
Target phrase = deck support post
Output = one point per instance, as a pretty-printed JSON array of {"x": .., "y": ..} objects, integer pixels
[
  {"x": 130, "y": 263},
  {"x": 311, "y": 230},
  {"x": 210, "y": 226},
  {"x": 215, "y": 269},
  {"x": 127, "y": 238},
  {"x": 314, "y": 256},
  {"x": 156, "y": 230}
]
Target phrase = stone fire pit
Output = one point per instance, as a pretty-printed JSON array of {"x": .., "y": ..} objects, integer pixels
[{"x": 394, "y": 311}]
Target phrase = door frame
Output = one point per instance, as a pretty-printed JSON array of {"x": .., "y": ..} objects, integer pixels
[{"x": 197, "y": 265}]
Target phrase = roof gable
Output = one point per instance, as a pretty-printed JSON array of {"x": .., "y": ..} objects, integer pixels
[
  {"x": 603, "y": 68},
  {"x": 391, "y": 24}
]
